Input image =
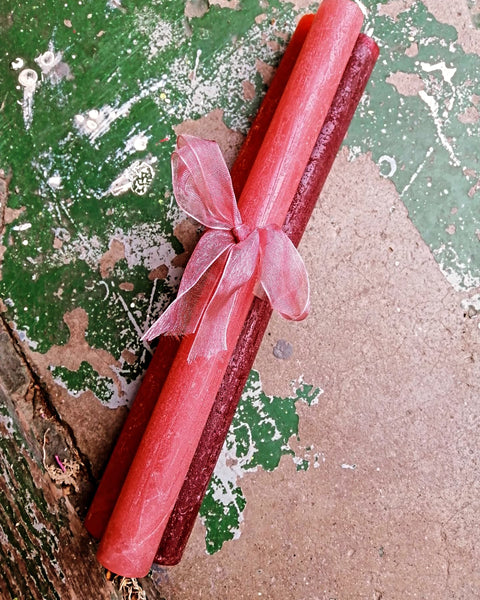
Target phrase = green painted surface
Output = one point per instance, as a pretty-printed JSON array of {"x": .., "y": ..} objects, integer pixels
[
  {"x": 88, "y": 146},
  {"x": 413, "y": 136},
  {"x": 129, "y": 82}
]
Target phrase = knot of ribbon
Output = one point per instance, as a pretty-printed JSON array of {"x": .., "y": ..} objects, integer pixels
[{"x": 229, "y": 255}]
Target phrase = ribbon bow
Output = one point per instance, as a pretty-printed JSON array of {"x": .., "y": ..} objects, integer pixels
[{"x": 228, "y": 255}]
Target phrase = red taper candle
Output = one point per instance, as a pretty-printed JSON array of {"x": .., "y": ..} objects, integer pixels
[
  {"x": 343, "y": 107},
  {"x": 168, "y": 445},
  {"x": 134, "y": 427},
  {"x": 183, "y": 517},
  {"x": 129, "y": 439}
]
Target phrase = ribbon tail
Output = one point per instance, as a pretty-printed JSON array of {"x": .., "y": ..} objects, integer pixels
[
  {"x": 201, "y": 275},
  {"x": 213, "y": 334},
  {"x": 283, "y": 276}
]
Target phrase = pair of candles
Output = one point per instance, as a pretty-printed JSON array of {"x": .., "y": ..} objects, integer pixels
[{"x": 153, "y": 486}]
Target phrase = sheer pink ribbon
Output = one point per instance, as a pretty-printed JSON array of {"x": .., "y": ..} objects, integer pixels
[{"x": 228, "y": 255}]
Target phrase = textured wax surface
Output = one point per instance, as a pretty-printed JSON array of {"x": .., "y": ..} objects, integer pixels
[
  {"x": 335, "y": 127},
  {"x": 302, "y": 109},
  {"x": 162, "y": 461},
  {"x": 144, "y": 403},
  {"x": 130, "y": 436}
]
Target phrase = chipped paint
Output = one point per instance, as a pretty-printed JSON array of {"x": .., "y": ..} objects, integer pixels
[
  {"x": 447, "y": 73},
  {"x": 95, "y": 123},
  {"x": 52, "y": 68},
  {"x": 433, "y": 105},
  {"x": 423, "y": 61},
  {"x": 259, "y": 436},
  {"x": 160, "y": 33},
  {"x": 407, "y": 84},
  {"x": 136, "y": 143}
]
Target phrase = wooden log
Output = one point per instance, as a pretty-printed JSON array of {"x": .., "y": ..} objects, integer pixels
[{"x": 45, "y": 552}]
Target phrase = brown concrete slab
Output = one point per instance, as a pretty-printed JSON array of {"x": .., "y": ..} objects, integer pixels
[{"x": 391, "y": 511}]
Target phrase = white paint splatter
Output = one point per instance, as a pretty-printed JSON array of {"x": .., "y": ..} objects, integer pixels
[
  {"x": 200, "y": 92},
  {"x": 51, "y": 66},
  {"x": 447, "y": 72},
  {"x": 128, "y": 390},
  {"x": 417, "y": 171},
  {"x": 97, "y": 122},
  {"x": 22, "y": 227},
  {"x": 55, "y": 182},
  {"x": 136, "y": 143},
  {"x": 354, "y": 152},
  {"x": 146, "y": 245},
  {"x": 160, "y": 33},
  {"x": 107, "y": 289},
  {"x": 432, "y": 104},
  {"x": 391, "y": 162},
  {"x": 28, "y": 80},
  {"x": 457, "y": 273},
  {"x": 17, "y": 64},
  {"x": 133, "y": 321},
  {"x": 48, "y": 60},
  {"x": 88, "y": 249},
  {"x": 471, "y": 305},
  {"x": 197, "y": 63}
]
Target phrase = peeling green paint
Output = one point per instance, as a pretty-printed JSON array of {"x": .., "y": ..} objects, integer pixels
[
  {"x": 86, "y": 378},
  {"x": 132, "y": 74},
  {"x": 259, "y": 436},
  {"x": 413, "y": 136}
]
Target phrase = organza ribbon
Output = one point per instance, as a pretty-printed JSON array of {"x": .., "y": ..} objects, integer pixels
[{"x": 228, "y": 255}]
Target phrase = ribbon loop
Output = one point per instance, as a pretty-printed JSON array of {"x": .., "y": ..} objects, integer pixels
[
  {"x": 202, "y": 184},
  {"x": 229, "y": 255}
]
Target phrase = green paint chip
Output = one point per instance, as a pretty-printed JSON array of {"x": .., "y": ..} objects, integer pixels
[
  {"x": 86, "y": 378},
  {"x": 259, "y": 436}
]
